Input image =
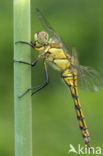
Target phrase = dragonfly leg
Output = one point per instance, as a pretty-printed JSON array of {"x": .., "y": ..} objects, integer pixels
[
  {"x": 39, "y": 86},
  {"x": 46, "y": 77},
  {"x": 31, "y": 64},
  {"x": 28, "y": 91},
  {"x": 30, "y": 44}
]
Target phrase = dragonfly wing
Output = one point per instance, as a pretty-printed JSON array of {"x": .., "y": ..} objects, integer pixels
[
  {"x": 55, "y": 36},
  {"x": 75, "y": 56},
  {"x": 76, "y": 67},
  {"x": 90, "y": 78}
]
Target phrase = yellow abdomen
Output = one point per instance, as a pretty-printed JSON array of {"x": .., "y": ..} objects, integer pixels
[{"x": 70, "y": 79}]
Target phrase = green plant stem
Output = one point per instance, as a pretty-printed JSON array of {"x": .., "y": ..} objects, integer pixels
[{"x": 22, "y": 79}]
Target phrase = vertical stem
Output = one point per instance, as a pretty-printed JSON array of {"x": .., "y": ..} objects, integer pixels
[{"x": 22, "y": 79}]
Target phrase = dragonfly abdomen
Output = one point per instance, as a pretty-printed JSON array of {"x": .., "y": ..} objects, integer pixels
[{"x": 71, "y": 80}]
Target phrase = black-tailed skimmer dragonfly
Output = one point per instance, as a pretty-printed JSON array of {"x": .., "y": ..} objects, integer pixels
[{"x": 53, "y": 50}]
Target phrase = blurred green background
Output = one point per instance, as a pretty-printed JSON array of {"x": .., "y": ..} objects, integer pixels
[{"x": 80, "y": 23}]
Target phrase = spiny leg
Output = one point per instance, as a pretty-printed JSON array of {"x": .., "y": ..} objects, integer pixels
[
  {"x": 28, "y": 91},
  {"x": 40, "y": 86},
  {"x": 31, "y": 64},
  {"x": 46, "y": 77},
  {"x": 30, "y": 44}
]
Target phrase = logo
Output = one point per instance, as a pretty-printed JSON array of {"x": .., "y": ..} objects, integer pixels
[{"x": 84, "y": 150}]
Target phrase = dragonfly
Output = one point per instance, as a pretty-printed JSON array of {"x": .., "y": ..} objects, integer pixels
[{"x": 52, "y": 49}]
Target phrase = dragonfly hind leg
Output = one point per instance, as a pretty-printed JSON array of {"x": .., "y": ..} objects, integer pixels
[{"x": 39, "y": 87}]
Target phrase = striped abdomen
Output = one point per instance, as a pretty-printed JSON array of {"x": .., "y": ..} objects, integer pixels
[{"x": 71, "y": 80}]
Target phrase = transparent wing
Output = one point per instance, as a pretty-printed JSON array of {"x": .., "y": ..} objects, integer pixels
[
  {"x": 76, "y": 67},
  {"x": 75, "y": 56},
  {"x": 91, "y": 78},
  {"x": 88, "y": 77},
  {"x": 55, "y": 36}
]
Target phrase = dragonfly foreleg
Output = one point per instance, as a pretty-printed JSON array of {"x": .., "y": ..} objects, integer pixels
[
  {"x": 40, "y": 86},
  {"x": 30, "y": 44}
]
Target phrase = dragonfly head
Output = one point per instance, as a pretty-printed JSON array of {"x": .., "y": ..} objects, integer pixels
[{"x": 40, "y": 39}]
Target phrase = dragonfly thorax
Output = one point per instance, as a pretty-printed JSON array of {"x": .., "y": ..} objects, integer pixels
[{"x": 40, "y": 39}]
